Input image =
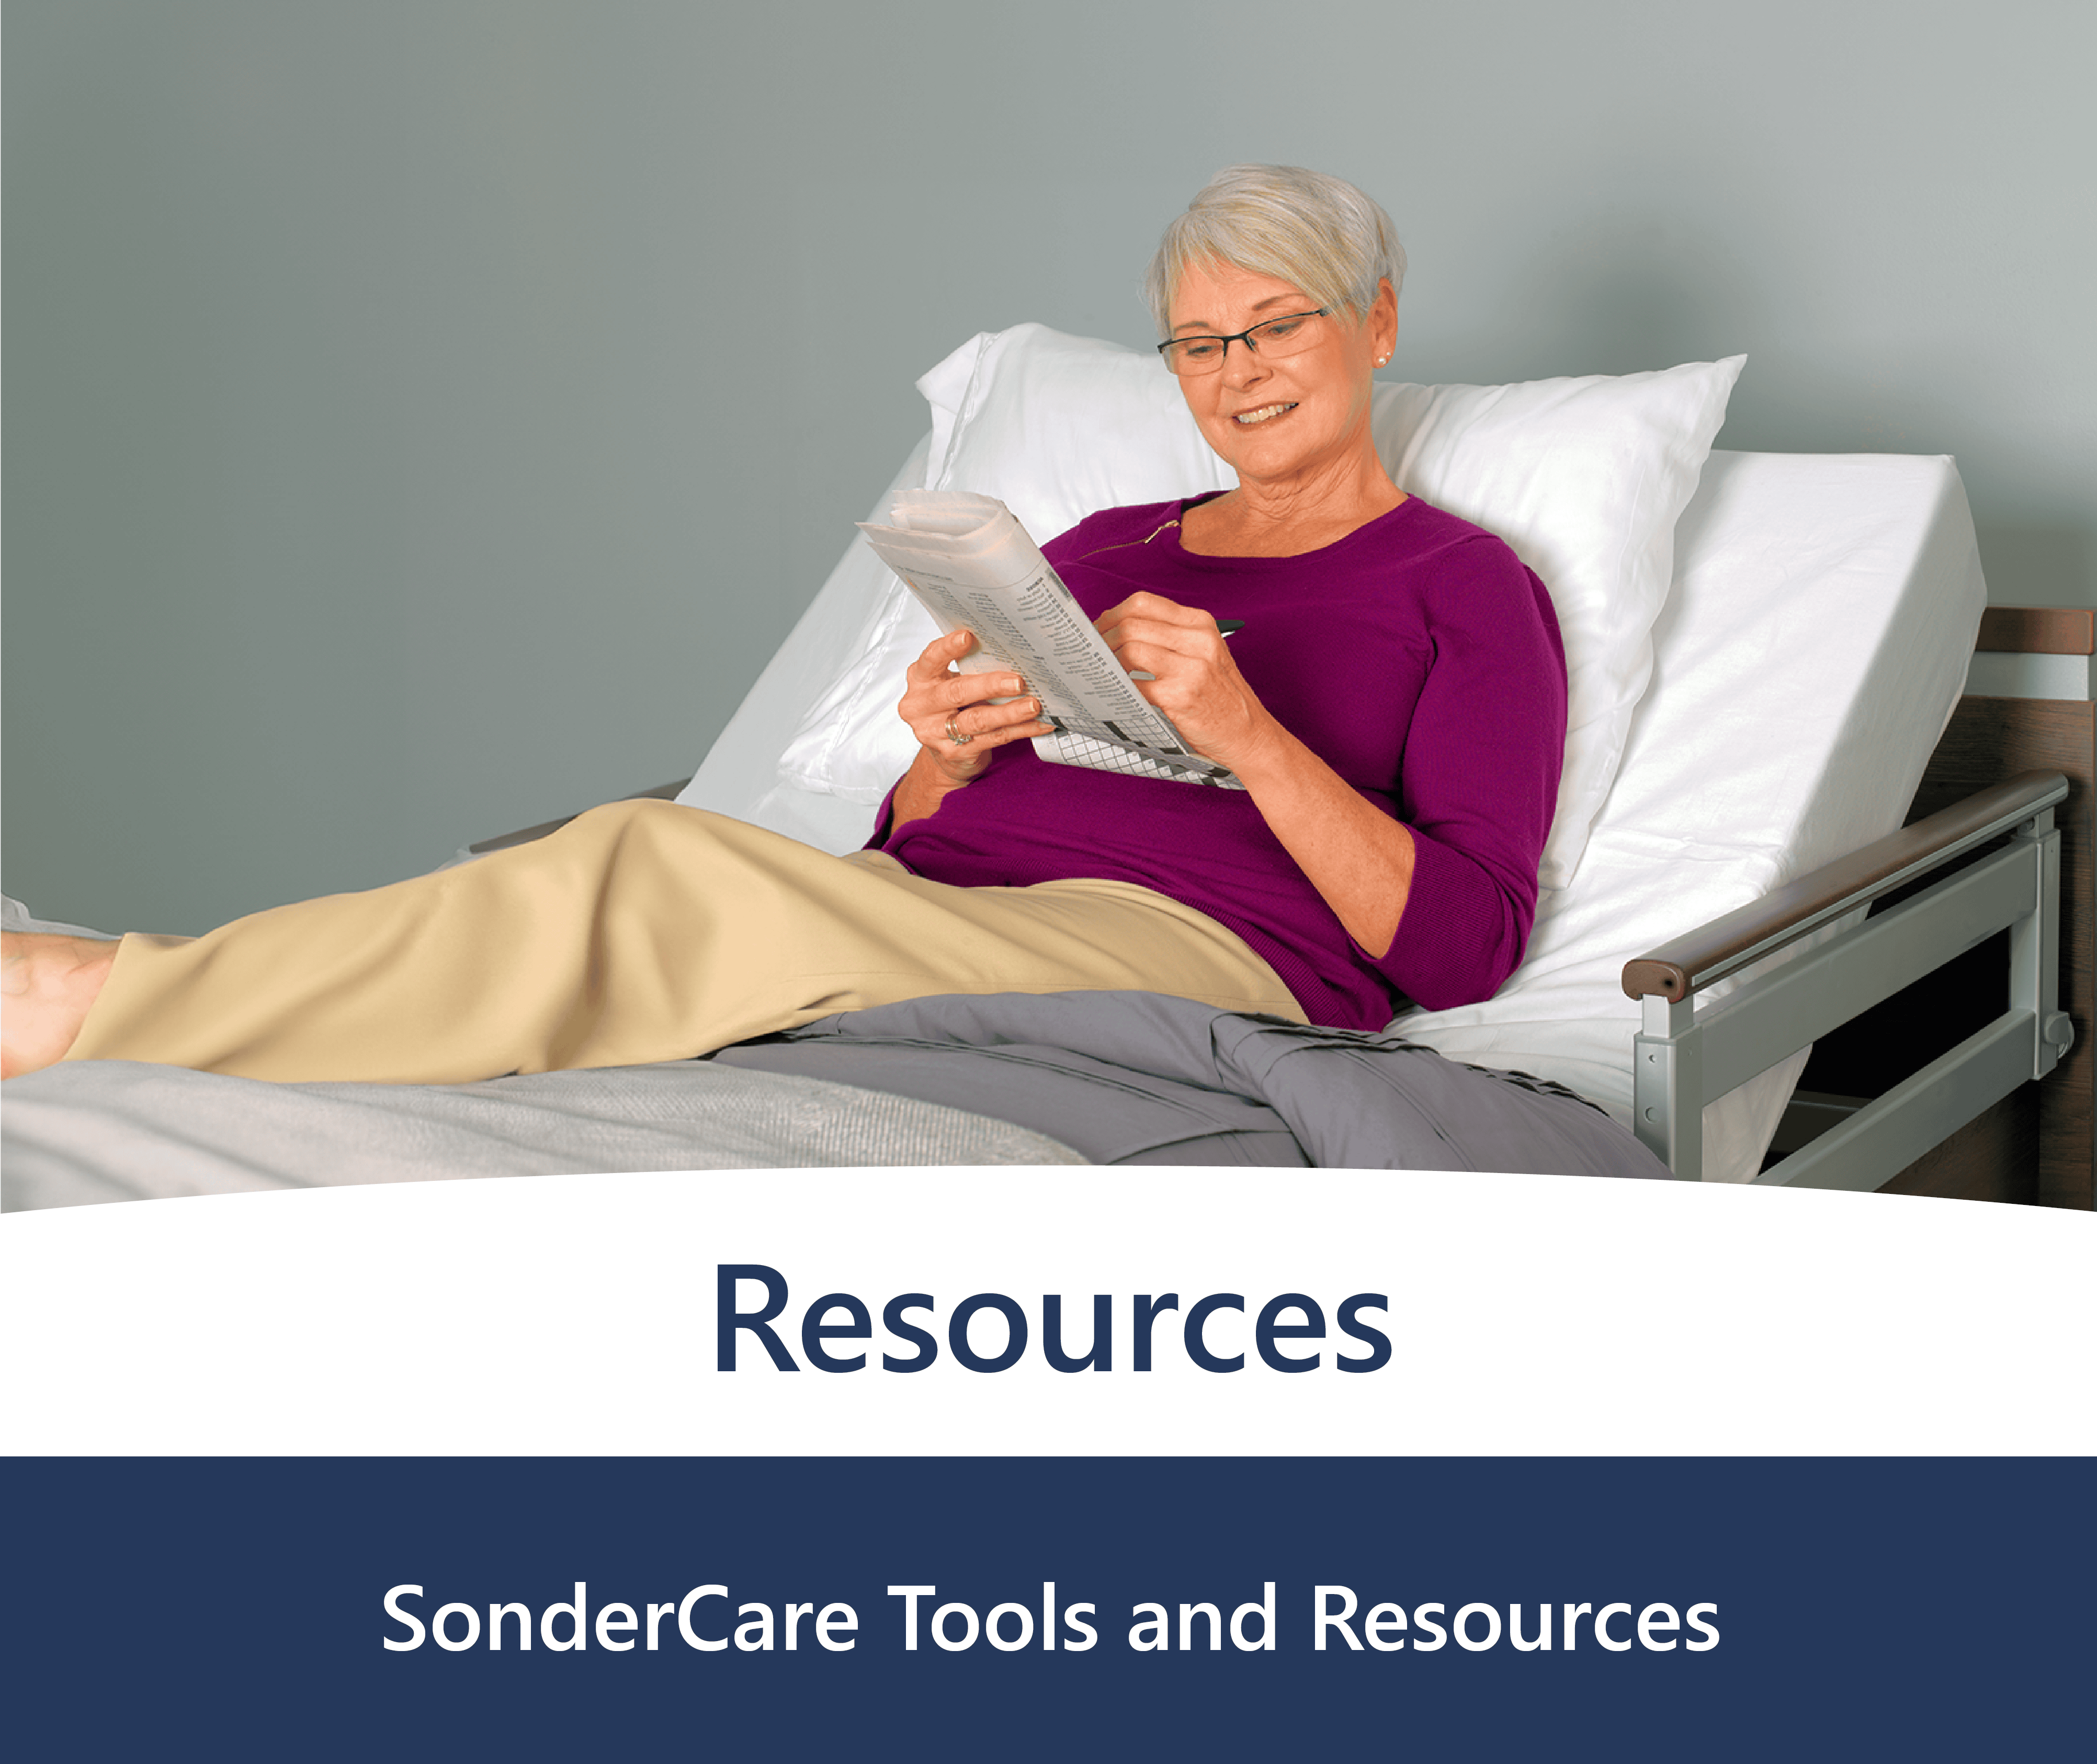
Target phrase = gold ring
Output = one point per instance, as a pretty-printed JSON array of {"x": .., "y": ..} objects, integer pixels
[{"x": 955, "y": 735}]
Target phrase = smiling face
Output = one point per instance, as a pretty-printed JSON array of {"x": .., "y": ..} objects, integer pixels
[{"x": 1303, "y": 418}]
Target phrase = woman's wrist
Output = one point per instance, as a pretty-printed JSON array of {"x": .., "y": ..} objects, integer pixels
[
  {"x": 921, "y": 790},
  {"x": 1268, "y": 755}
]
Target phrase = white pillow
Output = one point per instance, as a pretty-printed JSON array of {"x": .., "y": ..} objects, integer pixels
[
  {"x": 1058, "y": 427},
  {"x": 1583, "y": 478}
]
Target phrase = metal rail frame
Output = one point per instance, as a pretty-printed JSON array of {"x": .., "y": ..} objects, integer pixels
[{"x": 1685, "y": 1058}]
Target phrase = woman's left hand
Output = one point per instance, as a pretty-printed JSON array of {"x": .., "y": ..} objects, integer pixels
[{"x": 1194, "y": 680}]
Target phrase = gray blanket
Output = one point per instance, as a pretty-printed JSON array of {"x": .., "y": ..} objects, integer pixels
[
  {"x": 957, "y": 1080},
  {"x": 1165, "y": 1080},
  {"x": 114, "y": 1130}
]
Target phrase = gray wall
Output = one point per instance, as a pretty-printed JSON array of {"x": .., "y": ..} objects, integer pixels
[{"x": 423, "y": 418}]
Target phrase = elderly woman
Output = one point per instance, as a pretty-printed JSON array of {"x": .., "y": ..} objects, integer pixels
[{"x": 1394, "y": 704}]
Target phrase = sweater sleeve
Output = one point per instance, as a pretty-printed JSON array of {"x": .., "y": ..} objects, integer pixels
[
  {"x": 884, "y": 822},
  {"x": 1479, "y": 780}
]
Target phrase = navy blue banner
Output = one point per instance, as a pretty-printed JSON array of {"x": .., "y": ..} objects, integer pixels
[{"x": 1628, "y": 1609}]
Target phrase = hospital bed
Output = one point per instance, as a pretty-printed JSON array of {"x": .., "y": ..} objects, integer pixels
[{"x": 1745, "y": 887}]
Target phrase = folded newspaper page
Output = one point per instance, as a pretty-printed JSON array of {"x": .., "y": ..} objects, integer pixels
[{"x": 970, "y": 563}]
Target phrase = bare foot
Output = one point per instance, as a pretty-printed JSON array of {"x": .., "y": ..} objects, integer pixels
[{"x": 47, "y": 983}]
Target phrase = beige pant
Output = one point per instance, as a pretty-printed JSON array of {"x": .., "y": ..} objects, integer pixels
[{"x": 640, "y": 931}]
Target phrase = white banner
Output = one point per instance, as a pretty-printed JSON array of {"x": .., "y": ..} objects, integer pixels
[{"x": 1446, "y": 1314}]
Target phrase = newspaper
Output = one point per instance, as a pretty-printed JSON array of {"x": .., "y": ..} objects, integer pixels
[{"x": 971, "y": 564}]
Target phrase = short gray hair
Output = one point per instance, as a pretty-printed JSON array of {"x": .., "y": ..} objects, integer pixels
[{"x": 1320, "y": 232}]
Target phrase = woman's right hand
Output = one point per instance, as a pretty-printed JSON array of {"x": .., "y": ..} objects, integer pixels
[{"x": 957, "y": 729}]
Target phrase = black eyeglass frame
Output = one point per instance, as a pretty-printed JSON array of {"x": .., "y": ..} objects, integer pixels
[{"x": 1244, "y": 337}]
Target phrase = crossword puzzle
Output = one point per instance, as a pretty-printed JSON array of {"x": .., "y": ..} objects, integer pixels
[{"x": 1103, "y": 753}]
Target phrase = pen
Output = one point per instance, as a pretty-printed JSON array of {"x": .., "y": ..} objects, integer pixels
[{"x": 1225, "y": 628}]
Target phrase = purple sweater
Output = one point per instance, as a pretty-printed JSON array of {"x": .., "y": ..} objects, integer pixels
[{"x": 1418, "y": 657}]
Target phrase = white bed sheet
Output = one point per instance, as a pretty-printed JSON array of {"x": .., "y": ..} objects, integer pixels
[{"x": 1814, "y": 642}]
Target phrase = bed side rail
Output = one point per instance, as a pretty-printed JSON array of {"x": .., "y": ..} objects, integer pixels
[{"x": 1684, "y": 1057}]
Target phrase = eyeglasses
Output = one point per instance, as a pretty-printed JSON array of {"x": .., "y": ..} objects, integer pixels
[{"x": 1187, "y": 356}]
